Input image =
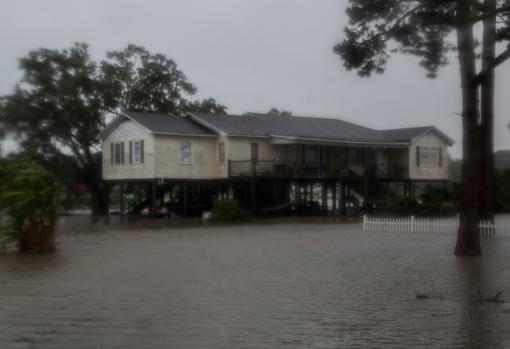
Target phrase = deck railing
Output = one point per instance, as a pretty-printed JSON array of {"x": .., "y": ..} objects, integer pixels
[
  {"x": 429, "y": 225},
  {"x": 386, "y": 171},
  {"x": 299, "y": 169},
  {"x": 291, "y": 169}
]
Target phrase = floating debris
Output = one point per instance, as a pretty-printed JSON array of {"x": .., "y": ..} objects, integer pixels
[
  {"x": 495, "y": 299},
  {"x": 422, "y": 296}
]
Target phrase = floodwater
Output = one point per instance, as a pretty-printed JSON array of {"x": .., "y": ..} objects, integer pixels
[{"x": 277, "y": 284}]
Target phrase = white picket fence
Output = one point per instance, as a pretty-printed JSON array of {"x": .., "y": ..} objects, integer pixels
[{"x": 428, "y": 225}]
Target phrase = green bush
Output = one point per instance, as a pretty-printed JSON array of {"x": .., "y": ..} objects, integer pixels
[
  {"x": 228, "y": 211},
  {"x": 28, "y": 206}
]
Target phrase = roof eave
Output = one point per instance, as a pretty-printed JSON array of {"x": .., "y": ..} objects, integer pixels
[
  {"x": 206, "y": 124},
  {"x": 136, "y": 122},
  {"x": 345, "y": 142},
  {"x": 111, "y": 126},
  {"x": 438, "y": 132},
  {"x": 183, "y": 134}
]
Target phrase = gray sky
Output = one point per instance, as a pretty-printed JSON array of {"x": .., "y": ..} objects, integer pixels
[{"x": 250, "y": 55}]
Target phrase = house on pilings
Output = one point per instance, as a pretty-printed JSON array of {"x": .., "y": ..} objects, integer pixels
[{"x": 181, "y": 164}]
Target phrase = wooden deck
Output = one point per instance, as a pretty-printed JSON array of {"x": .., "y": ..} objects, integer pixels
[{"x": 299, "y": 170}]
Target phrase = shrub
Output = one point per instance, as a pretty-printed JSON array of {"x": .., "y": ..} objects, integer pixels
[
  {"x": 28, "y": 206},
  {"x": 228, "y": 211}
]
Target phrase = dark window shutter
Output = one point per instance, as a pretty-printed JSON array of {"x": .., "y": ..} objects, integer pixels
[
  {"x": 141, "y": 151},
  {"x": 112, "y": 153},
  {"x": 130, "y": 152},
  {"x": 418, "y": 156},
  {"x": 122, "y": 153},
  {"x": 440, "y": 156}
]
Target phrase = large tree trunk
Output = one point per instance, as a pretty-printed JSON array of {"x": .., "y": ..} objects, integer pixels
[
  {"x": 468, "y": 239},
  {"x": 487, "y": 199},
  {"x": 99, "y": 189},
  {"x": 100, "y": 197}
]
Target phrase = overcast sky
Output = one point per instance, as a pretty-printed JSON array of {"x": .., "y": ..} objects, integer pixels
[{"x": 250, "y": 55}]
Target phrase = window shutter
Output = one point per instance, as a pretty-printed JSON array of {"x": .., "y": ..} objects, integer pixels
[
  {"x": 440, "y": 150},
  {"x": 141, "y": 151},
  {"x": 112, "y": 153},
  {"x": 130, "y": 152},
  {"x": 122, "y": 153},
  {"x": 418, "y": 156}
]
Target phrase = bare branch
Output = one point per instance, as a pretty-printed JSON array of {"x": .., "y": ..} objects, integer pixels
[
  {"x": 499, "y": 11},
  {"x": 501, "y": 58}
]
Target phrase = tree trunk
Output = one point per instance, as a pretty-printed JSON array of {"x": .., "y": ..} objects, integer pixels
[
  {"x": 38, "y": 235},
  {"x": 100, "y": 198},
  {"x": 468, "y": 238},
  {"x": 487, "y": 199}
]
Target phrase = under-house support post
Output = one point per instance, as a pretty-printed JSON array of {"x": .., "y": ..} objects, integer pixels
[
  {"x": 121, "y": 198},
  {"x": 333, "y": 194},
  {"x": 324, "y": 197}
]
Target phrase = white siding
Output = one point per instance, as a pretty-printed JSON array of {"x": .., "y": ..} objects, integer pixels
[
  {"x": 161, "y": 155},
  {"x": 430, "y": 139},
  {"x": 125, "y": 132},
  {"x": 239, "y": 148},
  {"x": 204, "y": 164}
]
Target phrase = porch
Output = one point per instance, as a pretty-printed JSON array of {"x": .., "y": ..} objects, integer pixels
[{"x": 324, "y": 162}]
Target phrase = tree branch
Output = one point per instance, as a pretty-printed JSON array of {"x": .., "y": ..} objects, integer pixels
[
  {"x": 491, "y": 66},
  {"x": 499, "y": 11}
]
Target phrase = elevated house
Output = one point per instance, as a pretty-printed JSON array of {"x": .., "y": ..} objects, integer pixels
[{"x": 268, "y": 162}]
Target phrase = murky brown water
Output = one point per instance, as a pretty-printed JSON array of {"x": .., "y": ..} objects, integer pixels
[{"x": 275, "y": 285}]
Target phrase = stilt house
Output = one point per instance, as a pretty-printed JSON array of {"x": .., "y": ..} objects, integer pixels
[{"x": 267, "y": 162}]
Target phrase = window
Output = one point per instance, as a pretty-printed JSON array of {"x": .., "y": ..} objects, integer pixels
[
  {"x": 136, "y": 152},
  {"x": 185, "y": 152},
  {"x": 254, "y": 151},
  {"x": 117, "y": 153},
  {"x": 356, "y": 157},
  {"x": 429, "y": 157},
  {"x": 221, "y": 152}
]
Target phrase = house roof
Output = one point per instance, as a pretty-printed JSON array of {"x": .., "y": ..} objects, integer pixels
[
  {"x": 159, "y": 124},
  {"x": 408, "y": 134},
  {"x": 165, "y": 123},
  {"x": 300, "y": 127},
  {"x": 263, "y": 125}
]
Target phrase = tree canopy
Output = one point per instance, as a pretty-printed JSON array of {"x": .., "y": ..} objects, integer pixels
[
  {"x": 418, "y": 27},
  {"x": 275, "y": 111},
  {"x": 65, "y": 98},
  {"x": 208, "y": 105}
]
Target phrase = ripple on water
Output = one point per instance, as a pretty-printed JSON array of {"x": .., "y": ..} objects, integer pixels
[{"x": 153, "y": 284}]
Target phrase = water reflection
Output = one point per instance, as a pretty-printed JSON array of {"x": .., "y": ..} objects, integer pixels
[
  {"x": 473, "y": 320},
  {"x": 481, "y": 323}
]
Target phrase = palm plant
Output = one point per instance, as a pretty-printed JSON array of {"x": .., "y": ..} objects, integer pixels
[{"x": 28, "y": 206}]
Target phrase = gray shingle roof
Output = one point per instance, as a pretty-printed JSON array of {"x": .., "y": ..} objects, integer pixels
[
  {"x": 164, "y": 123},
  {"x": 264, "y": 125},
  {"x": 404, "y": 134},
  {"x": 407, "y": 134},
  {"x": 290, "y": 126}
]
